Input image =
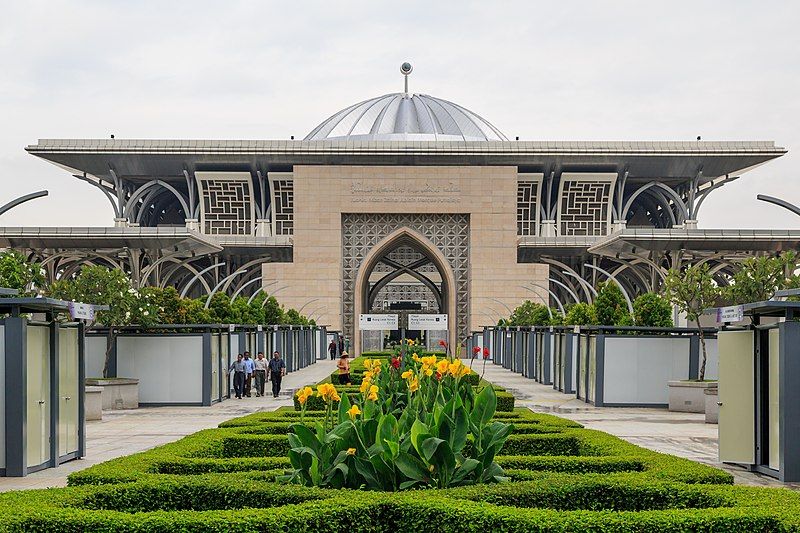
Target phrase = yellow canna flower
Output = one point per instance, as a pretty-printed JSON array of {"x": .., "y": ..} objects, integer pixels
[
  {"x": 373, "y": 393},
  {"x": 413, "y": 385},
  {"x": 428, "y": 372},
  {"x": 368, "y": 364},
  {"x": 304, "y": 394},
  {"x": 464, "y": 371},
  {"x": 351, "y": 451},
  {"x": 364, "y": 386},
  {"x": 415, "y": 357},
  {"x": 354, "y": 412},
  {"x": 407, "y": 374},
  {"x": 328, "y": 392},
  {"x": 441, "y": 366}
]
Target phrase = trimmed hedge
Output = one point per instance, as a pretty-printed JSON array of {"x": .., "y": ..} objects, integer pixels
[
  {"x": 563, "y": 478},
  {"x": 619, "y": 502}
]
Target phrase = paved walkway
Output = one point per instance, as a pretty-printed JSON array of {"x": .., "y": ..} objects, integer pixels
[
  {"x": 131, "y": 431},
  {"x": 682, "y": 434}
]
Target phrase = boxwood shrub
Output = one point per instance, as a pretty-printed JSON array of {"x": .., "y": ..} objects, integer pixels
[{"x": 563, "y": 478}]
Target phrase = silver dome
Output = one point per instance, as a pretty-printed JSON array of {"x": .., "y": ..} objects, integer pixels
[{"x": 404, "y": 117}]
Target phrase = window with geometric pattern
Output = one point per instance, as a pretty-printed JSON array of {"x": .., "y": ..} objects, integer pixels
[
  {"x": 282, "y": 202},
  {"x": 528, "y": 204},
  {"x": 226, "y": 206},
  {"x": 585, "y": 204}
]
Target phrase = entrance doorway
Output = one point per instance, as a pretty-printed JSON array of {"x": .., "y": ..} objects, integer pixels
[{"x": 404, "y": 274}]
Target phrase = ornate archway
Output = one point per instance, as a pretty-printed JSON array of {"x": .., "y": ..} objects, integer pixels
[{"x": 442, "y": 240}]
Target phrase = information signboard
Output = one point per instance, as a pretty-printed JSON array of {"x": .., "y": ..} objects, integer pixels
[
  {"x": 427, "y": 322},
  {"x": 377, "y": 322},
  {"x": 732, "y": 313},
  {"x": 78, "y": 310}
]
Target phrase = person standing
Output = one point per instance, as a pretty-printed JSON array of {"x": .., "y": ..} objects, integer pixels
[
  {"x": 277, "y": 369},
  {"x": 261, "y": 373},
  {"x": 237, "y": 367},
  {"x": 341, "y": 344},
  {"x": 249, "y": 368},
  {"x": 332, "y": 349},
  {"x": 344, "y": 370}
]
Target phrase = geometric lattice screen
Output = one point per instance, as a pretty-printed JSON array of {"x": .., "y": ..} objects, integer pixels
[
  {"x": 282, "y": 185},
  {"x": 528, "y": 186},
  {"x": 226, "y": 203},
  {"x": 448, "y": 232},
  {"x": 585, "y": 204}
]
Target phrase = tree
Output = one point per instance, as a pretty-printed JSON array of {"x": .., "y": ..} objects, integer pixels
[
  {"x": 759, "y": 277},
  {"x": 580, "y": 314},
  {"x": 692, "y": 291},
  {"x": 16, "y": 272},
  {"x": 611, "y": 308},
  {"x": 100, "y": 286},
  {"x": 529, "y": 314},
  {"x": 651, "y": 310}
]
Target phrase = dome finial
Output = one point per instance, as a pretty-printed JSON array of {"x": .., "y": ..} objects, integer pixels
[{"x": 405, "y": 70}]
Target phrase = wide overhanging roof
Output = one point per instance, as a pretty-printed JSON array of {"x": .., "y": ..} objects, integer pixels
[
  {"x": 635, "y": 241},
  {"x": 166, "y": 159},
  {"x": 73, "y": 238}
]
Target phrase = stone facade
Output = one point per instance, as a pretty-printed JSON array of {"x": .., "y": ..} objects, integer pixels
[{"x": 487, "y": 196}]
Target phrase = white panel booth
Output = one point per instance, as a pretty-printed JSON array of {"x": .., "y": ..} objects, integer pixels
[
  {"x": 630, "y": 367},
  {"x": 42, "y": 405},
  {"x": 185, "y": 367},
  {"x": 188, "y": 365},
  {"x": 759, "y": 399}
]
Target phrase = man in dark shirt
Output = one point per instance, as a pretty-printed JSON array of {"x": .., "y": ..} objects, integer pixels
[
  {"x": 238, "y": 369},
  {"x": 277, "y": 369}
]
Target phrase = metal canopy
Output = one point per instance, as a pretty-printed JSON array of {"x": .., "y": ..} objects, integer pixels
[
  {"x": 174, "y": 239},
  {"x": 139, "y": 160},
  {"x": 643, "y": 241}
]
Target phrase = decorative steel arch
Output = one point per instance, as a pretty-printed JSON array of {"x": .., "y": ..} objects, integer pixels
[{"x": 616, "y": 281}]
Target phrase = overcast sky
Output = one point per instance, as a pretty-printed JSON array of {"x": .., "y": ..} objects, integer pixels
[{"x": 267, "y": 70}]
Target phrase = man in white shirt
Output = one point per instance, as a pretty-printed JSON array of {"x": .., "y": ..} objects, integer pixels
[{"x": 261, "y": 373}]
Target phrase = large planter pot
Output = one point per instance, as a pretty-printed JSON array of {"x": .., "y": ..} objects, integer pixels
[
  {"x": 118, "y": 393},
  {"x": 712, "y": 405},
  {"x": 688, "y": 396},
  {"x": 94, "y": 403}
]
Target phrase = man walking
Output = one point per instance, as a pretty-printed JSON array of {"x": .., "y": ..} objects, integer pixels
[
  {"x": 277, "y": 369},
  {"x": 261, "y": 373},
  {"x": 249, "y": 368},
  {"x": 332, "y": 349},
  {"x": 237, "y": 367}
]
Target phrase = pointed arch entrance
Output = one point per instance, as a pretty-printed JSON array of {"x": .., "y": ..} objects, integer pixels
[{"x": 438, "y": 278}]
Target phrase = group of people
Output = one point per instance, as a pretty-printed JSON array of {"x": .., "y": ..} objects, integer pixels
[{"x": 246, "y": 370}]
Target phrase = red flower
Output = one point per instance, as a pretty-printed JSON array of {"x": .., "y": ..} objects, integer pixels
[
  {"x": 476, "y": 350},
  {"x": 486, "y": 353},
  {"x": 395, "y": 362},
  {"x": 443, "y": 344},
  {"x": 439, "y": 376}
]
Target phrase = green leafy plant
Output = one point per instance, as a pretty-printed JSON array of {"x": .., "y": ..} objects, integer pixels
[
  {"x": 758, "y": 278},
  {"x": 580, "y": 314},
  {"x": 16, "y": 272},
  {"x": 419, "y": 427},
  {"x": 611, "y": 308},
  {"x": 102, "y": 286},
  {"x": 692, "y": 290},
  {"x": 652, "y": 310},
  {"x": 529, "y": 314}
]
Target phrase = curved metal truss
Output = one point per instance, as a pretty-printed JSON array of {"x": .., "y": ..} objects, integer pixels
[{"x": 191, "y": 276}]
